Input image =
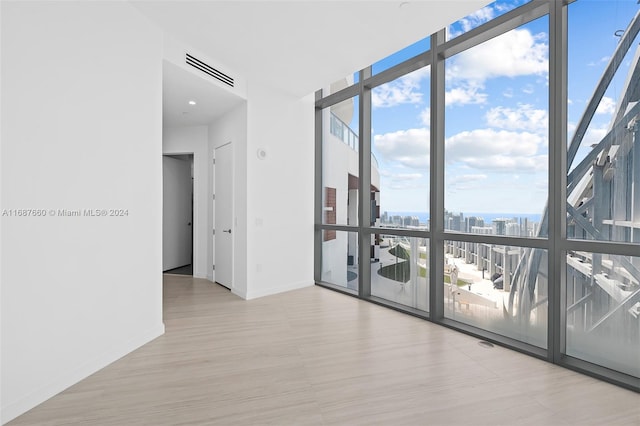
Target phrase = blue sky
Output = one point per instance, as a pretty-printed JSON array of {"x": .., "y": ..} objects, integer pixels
[{"x": 496, "y": 111}]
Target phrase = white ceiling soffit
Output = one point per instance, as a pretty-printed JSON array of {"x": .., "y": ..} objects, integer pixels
[
  {"x": 301, "y": 46},
  {"x": 179, "y": 86}
]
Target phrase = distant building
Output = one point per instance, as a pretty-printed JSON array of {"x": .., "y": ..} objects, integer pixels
[
  {"x": 500, "y": 226},
  {"x": 524, "y": 227},
  {"x": 453, "y": 222},
  {"x": 470, "y": 222},
  {"x": 410, "y": 221},
  {"x": 485, "y": 230},
  {"x": 512, "y": 229}
]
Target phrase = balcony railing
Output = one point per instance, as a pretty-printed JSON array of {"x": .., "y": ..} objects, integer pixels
[{"x": 343, "y": 132}]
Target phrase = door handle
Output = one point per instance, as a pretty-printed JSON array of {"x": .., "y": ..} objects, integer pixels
[{"x": 227, "y": 230}]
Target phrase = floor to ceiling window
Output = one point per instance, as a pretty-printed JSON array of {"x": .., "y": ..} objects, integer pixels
[
  {"x": 496, "y": 182},
  {"x": 487, "y": 178},
  {"x": 400, "y": 188},
  {"x": 603, "y": 187}
]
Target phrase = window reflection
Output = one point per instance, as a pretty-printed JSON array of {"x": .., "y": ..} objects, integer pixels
[
  {"x": 502, "y": 289},
  {"x": 340, "y": 259},
  {"x": 603, "y": 310},
  {"x": 400, "y": 271},
  {"x": 340, "y": 170}
]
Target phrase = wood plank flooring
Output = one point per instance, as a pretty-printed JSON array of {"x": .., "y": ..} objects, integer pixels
[{"x": 313, "y": 357}]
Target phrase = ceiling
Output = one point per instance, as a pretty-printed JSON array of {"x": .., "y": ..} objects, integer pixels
[
  {"x": 180, "y": 86},
  {"x": 301, "y": 46}
]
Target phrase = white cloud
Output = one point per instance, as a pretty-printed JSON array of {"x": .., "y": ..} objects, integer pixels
[
  {"x": 541, "y": 185},
  {"x": 528, "y": 89},
  {"x": 407, "y": 176},
  {"x": 467, "y": 178},
  {"x": 607, "y": 106},
  {"x": 404, "y": 180},
  {"x": 465, "y": 96},
  {"x": 478, "y": 17},
  {"x": 515, "y": 53},
  {"x": 481, "y": 16},
  {"x": 600, "y": 61},
  {"x": 472, "y": 21},
  {"x": 405, "y": 90},
  {"x": 505, "y": 151},
  {"x": 593, "y": 136},
  {"x": 465, "y": 182},
  {"x": 505, "y": 163},
  {"x": 524, "y": 117},
  {"x": 425, "y": 117},
  {"x": 392, "y": 94},
  {"x": 505, "y": 7},
  {"x": 508, "y": 93},
  {"x": 409, "y": 148}
]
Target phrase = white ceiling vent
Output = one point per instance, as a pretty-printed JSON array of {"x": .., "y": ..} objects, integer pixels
[{"x": 208, "y": 69}]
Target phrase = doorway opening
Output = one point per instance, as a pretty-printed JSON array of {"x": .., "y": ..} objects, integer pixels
[{"x": 177, "y": 214}]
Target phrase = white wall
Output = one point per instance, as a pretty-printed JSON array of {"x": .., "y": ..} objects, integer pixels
[
  {"x": 232, "y": 127},
  {"x": 186, "y": 140},
  {"x": 81, "y": 129},
  {"x": 279, "y": 192}
]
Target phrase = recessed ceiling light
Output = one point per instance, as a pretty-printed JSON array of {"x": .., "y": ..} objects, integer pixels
[{"x": 192, "y": 102}]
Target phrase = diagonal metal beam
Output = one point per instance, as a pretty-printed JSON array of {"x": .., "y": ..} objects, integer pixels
[
  {"x": 591, "y": 230},
  {"x": 615, "y": 61},
  {"x": 630, "y": 300},
  {"x": 583, "y": 208},
  {"x": 579, "y": 302},
  {"x": 605, "y": 143},
  {"x": 632, "y": 86}
]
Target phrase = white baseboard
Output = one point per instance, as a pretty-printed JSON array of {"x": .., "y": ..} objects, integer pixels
[
  {"x": 242, "y": 294},
  {"x": 69, "y": 378},
  {"x": 277, "y": 289}
]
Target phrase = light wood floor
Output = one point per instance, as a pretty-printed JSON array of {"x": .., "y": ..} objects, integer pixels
[{"x": 313, "y": 356}]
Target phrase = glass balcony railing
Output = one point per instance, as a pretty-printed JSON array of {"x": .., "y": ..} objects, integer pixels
[{"x": 343, "y": 132}]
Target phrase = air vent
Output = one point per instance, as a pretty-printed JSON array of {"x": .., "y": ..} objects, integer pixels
[{"x": 207, "y": 69}]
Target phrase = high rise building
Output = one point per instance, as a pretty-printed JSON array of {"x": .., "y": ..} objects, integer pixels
[{"x": 500, "y": 226}]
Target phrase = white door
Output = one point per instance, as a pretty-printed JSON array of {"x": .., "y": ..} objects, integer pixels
[
  {"x": 177, "y": 187},
  {"x": 223, "y": 184}
]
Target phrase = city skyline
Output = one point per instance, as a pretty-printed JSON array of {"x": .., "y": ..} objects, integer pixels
[{"x": 509, "y": 224}]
